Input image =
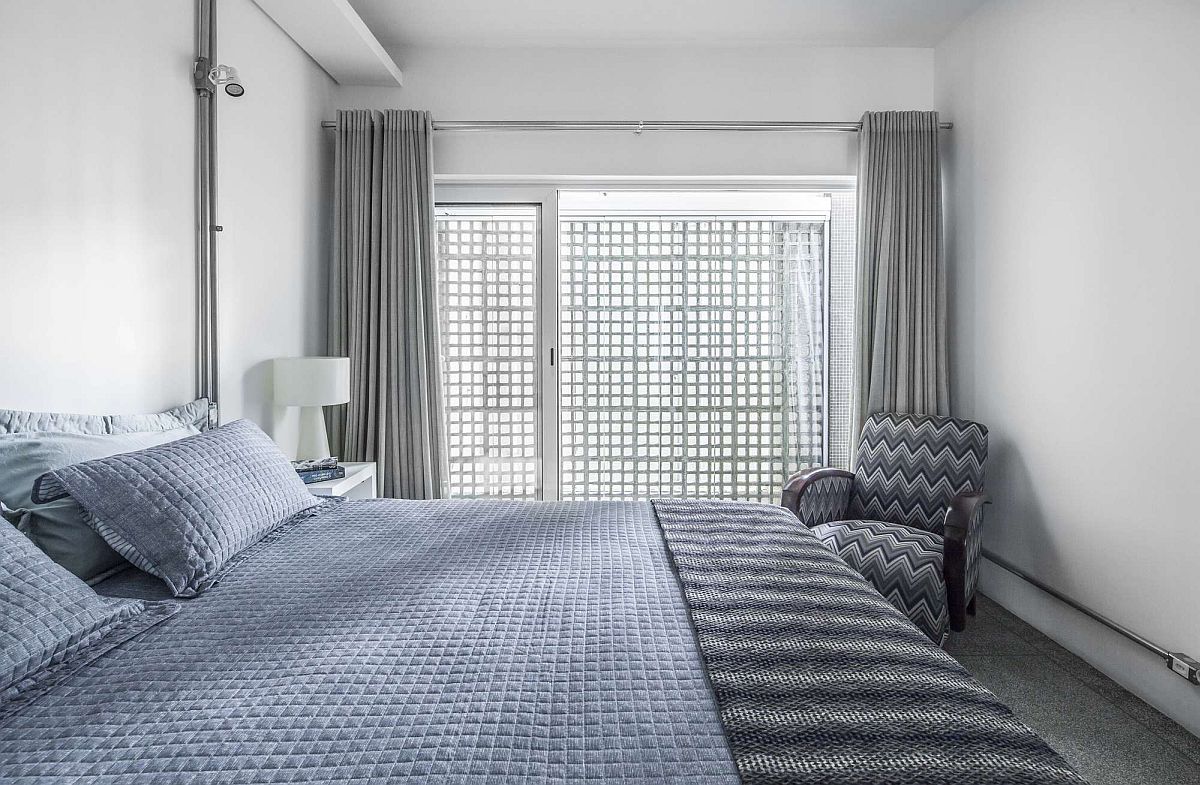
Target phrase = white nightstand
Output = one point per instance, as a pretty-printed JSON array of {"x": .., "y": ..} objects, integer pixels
[{"x": 359, "y": 483}]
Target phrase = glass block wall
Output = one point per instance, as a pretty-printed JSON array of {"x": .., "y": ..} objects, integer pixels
[{"x": 691, "y": 355}]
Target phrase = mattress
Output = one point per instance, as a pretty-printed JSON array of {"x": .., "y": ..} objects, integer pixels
[{"x": 504, "y": 642}]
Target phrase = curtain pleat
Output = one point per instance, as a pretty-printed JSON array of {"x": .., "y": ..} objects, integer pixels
[
  {"x": 900, "y": 295},
  {"x": 382, "y": 307}
]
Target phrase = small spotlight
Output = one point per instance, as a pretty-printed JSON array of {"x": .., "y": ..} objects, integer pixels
[{"x": 227, "y": 75}]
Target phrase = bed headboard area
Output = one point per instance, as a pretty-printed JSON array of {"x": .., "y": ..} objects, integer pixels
[{"x": 98, "y": 210}]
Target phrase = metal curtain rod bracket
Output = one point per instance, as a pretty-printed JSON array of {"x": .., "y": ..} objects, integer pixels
[{"x": 638, "y": 126}]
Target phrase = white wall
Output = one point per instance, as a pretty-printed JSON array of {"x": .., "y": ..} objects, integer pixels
[
  {"x": 97, "y": 257},
  {"x": 275, "y": 167},
  {"x": 1072, "y": 179},
  {"x": 96, "y": 215},
  {"x": 764, "y": 83}
]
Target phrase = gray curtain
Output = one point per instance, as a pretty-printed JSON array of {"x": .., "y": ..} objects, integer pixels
[
  {"x": 900, "y": 301},
  {"x": 383, "y": 306}
]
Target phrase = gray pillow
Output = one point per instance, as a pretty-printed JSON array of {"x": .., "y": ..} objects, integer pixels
[
  {"x": 193, "y": 414},
  {"x": 180, "y": 511},
  {"x": 189, "y": 415},
  {"x": 47, "y": 615},
  {"x": 58, "y": 527}
]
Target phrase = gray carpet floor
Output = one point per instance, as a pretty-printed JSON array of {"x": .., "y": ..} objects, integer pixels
[{"x": 1110, "y": 736}]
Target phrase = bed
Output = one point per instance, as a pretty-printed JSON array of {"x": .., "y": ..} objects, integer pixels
[{"x": 497, "y": 641}]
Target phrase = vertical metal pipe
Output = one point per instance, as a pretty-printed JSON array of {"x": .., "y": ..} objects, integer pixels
[
  {"x": 201, "y": 252},
  {"x": 213, "y": 299},
  {"x": 206, "y": 207}
]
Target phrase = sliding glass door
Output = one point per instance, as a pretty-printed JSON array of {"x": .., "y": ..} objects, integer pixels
[
  {"x": 642, "y": 344},
  {"x": 487, "y": 313}
]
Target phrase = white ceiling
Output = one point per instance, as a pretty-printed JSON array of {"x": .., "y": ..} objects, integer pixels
[{"x": 564, "y": 23}]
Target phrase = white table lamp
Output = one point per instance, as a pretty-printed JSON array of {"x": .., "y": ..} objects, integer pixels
[{"x": 312, "y": 382}]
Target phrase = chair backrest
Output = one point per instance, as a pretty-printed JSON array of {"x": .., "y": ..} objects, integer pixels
[{"x": 910, "y": 466}]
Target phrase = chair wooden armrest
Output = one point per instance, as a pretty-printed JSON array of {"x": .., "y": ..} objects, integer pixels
[
  {"x": 817, "y": 495},
  {"x": 960, "y": 553}
]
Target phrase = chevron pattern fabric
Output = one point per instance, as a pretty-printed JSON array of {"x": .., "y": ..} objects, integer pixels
[
  {"x": 974, "y": 552},
  {"x": 824, "y": 500},
  {"x": 903, "y": 564},
  {"x": 911, "y": 466},
  {"x": 819, "y": 680}
]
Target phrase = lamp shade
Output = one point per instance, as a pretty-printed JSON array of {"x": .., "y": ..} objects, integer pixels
[{"x": 312, "y": 381}]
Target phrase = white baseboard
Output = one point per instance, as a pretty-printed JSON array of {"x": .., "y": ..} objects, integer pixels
[{"x": 1123, "y": 661}]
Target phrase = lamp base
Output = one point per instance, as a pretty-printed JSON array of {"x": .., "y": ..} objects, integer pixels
[{"x": 314, "y": 441}]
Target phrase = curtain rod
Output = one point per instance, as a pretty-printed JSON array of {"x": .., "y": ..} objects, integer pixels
[{"x": 638, "y": 126}]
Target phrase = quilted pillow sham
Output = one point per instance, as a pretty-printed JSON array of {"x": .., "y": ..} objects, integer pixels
[
  {"x": 58, "y": 528},
  {"x": 194, "y": 414},
  {"x": 181, "y": 511},
  {"x": 47, "y": 615}
]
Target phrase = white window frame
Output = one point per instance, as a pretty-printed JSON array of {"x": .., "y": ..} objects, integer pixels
[
  {"x": 546, "y": 340},
  {"x": 544, "y": 193}
]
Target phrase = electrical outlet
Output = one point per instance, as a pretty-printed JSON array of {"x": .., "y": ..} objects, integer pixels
[{"x": 1185, "y": 666}]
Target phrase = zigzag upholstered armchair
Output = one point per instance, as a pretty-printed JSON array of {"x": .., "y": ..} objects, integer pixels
[{"x": 910, "y": 517}]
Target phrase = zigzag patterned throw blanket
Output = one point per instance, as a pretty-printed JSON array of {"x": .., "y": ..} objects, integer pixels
[{"x": 819, "y": 679}]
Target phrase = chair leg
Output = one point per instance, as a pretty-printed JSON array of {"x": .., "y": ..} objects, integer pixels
[{"x": 971, "y": 606}]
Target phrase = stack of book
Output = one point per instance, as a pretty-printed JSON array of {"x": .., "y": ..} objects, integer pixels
[{"x": 319, "y": 470}]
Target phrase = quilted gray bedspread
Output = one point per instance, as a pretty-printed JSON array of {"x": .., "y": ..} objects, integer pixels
[
  {"x": 514, "y": 642},
  {"x": 386, "y": 641}
]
